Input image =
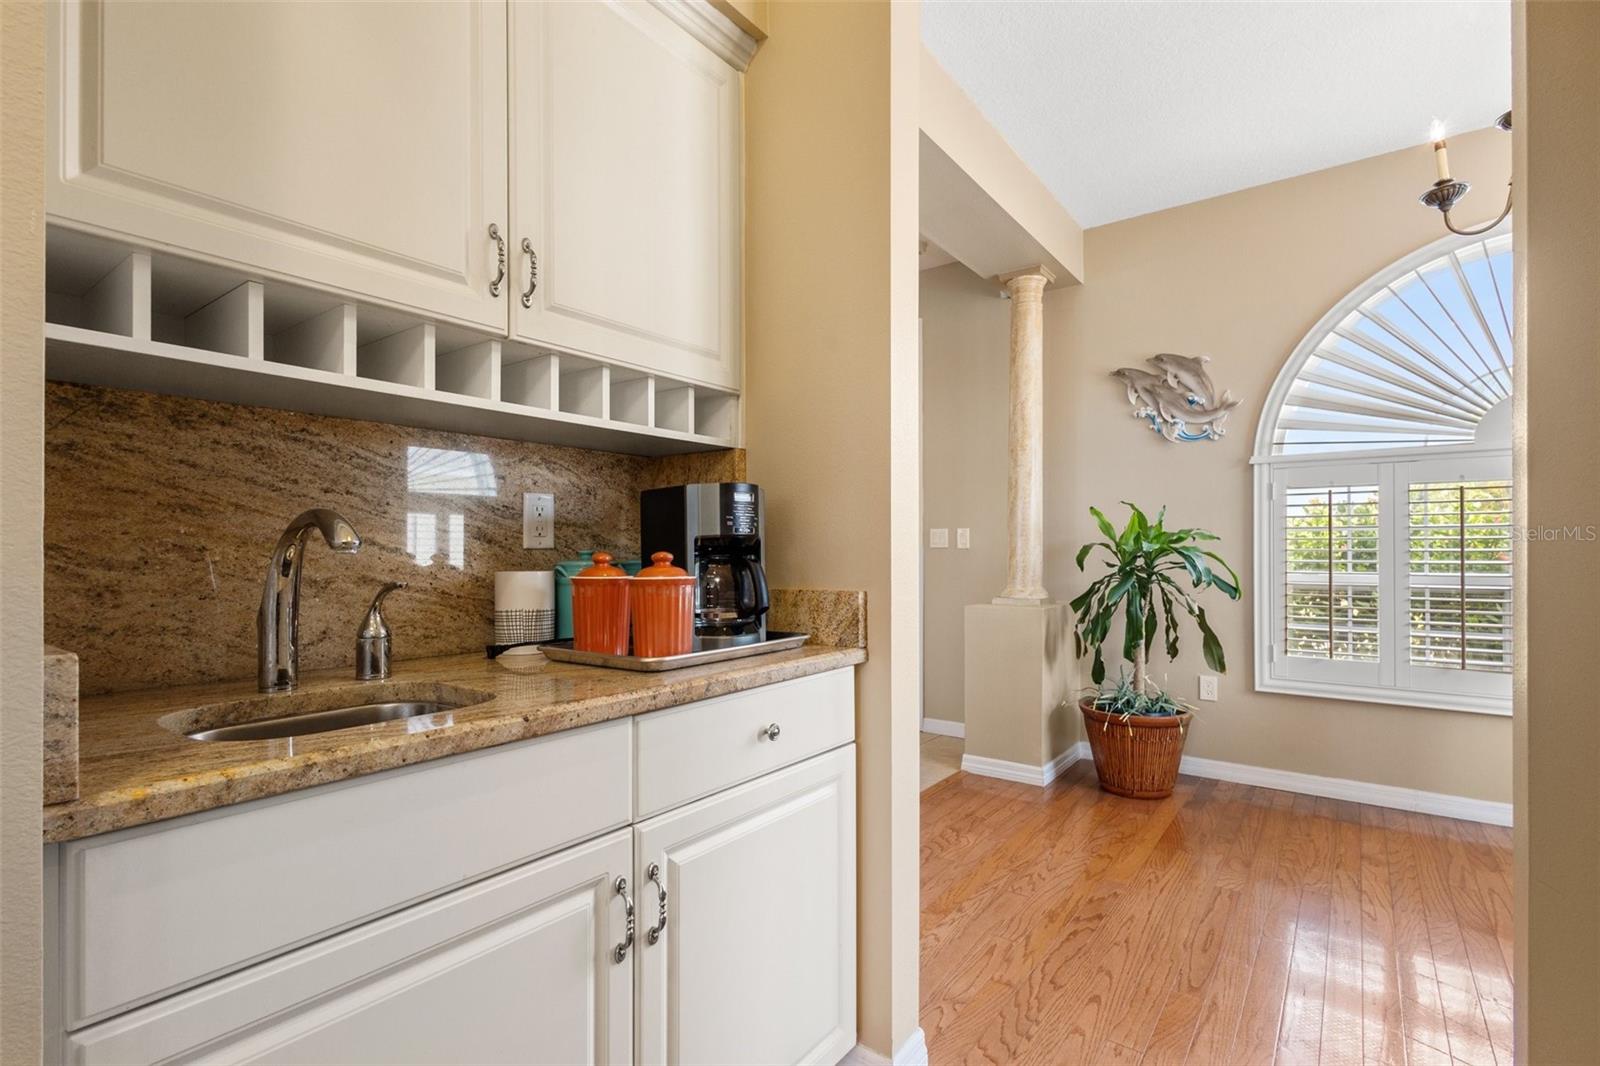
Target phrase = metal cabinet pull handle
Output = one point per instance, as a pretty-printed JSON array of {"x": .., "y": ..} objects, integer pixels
[
  {"x": 653, "y": 934},
  {"x": 620, "y": 952},
  {"x": 771, "y": 732},
  {"x": 500, "y": 249},
  {"x": 533, "y": 272}
]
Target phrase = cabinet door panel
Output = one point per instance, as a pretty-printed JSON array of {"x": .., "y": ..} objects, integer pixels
[
  {"x": 626, "y": 183},
  {"x": 310, "y": 863},
  {"x": 355, "y": 146},
  {"x": 757, "y": 963},
  {"x": 516, "y": 969}
]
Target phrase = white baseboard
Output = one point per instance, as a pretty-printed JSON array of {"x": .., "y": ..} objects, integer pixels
[
  {"x": 1021, "y": 772},
  {"x": 944, "y": 727},
  {"x": 1342, "y": 788},
  {"x": 913, "y": 1052}
]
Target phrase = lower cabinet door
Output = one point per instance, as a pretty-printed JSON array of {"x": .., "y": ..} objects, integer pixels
[
  {"x": 518, "y": 968},
  {"x": 754, "y": 950}
]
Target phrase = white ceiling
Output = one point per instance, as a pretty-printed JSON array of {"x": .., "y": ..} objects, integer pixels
[{"x": 1123, "y": 108}]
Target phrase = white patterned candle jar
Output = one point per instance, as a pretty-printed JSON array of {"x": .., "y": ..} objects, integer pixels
[{"x": 524, "y": 607}]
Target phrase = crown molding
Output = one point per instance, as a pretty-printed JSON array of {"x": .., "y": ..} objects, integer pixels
[{"x": 711, "y": 28}]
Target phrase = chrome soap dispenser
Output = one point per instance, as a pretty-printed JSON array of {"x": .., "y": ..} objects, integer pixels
[{"x": 372, "y": 639}]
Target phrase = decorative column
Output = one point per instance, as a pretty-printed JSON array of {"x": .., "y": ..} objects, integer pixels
[
  {"x": 1019, "y": 720},
  {"x": 1025, "y": 482}
]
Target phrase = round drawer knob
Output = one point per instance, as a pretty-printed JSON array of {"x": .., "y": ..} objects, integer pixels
[{"x": 771, "y": 732}]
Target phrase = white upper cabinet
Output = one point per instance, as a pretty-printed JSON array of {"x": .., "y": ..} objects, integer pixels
[
  {"x": 358, "y": 147},
  {"x": 625, "y": 153}
]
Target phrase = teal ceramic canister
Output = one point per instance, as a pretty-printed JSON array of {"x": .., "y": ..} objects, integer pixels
[{"x": 564, "y": 571}]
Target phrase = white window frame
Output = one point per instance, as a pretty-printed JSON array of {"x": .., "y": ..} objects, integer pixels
[
  {"x": 1296, "y": 669},
  {"x": 1394, "y": 679}
]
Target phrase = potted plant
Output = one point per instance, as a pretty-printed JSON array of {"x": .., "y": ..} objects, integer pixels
[{"x": 1135, "y": 730}]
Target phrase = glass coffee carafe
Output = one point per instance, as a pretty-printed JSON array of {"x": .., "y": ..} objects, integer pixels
[{"x": 731, "y": 599}]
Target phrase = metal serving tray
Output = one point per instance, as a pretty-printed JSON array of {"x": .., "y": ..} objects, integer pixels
[{"x": 562, "y": 651}]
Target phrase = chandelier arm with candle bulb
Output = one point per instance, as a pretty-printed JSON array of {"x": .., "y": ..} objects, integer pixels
[{"x": 1447, "y": 191}]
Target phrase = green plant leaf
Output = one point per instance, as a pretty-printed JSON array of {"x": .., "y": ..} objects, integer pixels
[
  {"x": 1083, "y": 552},
  {"x": 1199, "y": 572},
  {"x": 1149, "y": 625},
  {"x": 1104, "y": 523},
  {"x": 1209, "y": 644},
  {"x": 1228, "y": 589},
  {"x": 1097, "y": 673},
  {"x": 1214, "y": 557},
  {"x": 1171, "y": 624},
  {"x": 1133, "y": 632}
]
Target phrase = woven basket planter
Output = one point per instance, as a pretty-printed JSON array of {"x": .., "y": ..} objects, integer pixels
[{"x": 1135, "y": 756}]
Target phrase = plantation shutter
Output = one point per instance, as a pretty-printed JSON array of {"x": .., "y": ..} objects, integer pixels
[
  {"x": 1459, "y": 541},
  {"x": 1330, "y": 551}
]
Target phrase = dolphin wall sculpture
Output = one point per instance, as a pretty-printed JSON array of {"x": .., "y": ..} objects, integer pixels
[{"x": 1179, "y": 399}]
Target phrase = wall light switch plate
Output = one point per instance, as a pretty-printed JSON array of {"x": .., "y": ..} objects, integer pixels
[
  {"x": 963, "y": 538},
  {"x": 538, "y": 520},
  {"x": 938, "y": 538},
  {"x": 1208, "y": 687}
]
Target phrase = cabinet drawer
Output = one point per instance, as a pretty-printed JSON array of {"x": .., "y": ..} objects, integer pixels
[
  {"x": 693, "y": 751},
  {"x": 151, "y": 910},
  {"x": 516, "y": 968}
]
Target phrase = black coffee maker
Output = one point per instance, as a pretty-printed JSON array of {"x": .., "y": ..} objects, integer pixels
[{"x": 713, "y": 531}]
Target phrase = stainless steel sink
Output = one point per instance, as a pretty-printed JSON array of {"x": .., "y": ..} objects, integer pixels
[
  {"x": 295, "y": 725},
  {"x": 420, "y": 705}
]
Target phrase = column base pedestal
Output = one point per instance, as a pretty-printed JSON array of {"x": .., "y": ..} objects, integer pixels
[{"x": 1020, "y": 722}]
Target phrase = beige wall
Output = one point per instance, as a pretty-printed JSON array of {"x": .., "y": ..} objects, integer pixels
[
  {"x": 22, "y": 488},
  {"x": 831, "y": 407},
  {"x": 965, "y": 326},
  {"x": 1556, "y": 49},
  {"x": 1242, "y": 278}
]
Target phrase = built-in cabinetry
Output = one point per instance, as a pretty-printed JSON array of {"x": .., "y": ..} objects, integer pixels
[
  {"x": 625, "y": 186},
  {"x": 361, "y": 147},
  {"x": 521, "y": 904},
  {"x": 530, "y": 209}
]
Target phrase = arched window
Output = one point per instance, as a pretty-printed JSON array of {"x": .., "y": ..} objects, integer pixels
[{"x": 1383, "y": 491}]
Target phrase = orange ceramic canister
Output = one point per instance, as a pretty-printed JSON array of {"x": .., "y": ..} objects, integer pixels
[
  {"x": 663, "y": 609},
  {"x": 600, "y": 607}
]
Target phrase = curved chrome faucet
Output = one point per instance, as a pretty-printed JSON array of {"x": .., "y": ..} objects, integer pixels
[{"x": 278, "y": 624}]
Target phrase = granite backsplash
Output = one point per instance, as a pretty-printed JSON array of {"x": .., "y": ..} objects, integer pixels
[{"x": 160, "y": 513}]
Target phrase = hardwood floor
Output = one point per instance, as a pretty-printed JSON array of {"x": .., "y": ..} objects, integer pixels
[{"x": 1226, "y": 924}]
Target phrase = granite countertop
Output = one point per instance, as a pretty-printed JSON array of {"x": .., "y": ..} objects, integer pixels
[{"x": 134, "y": 770}]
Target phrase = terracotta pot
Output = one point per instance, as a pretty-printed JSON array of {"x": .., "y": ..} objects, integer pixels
[
  {"x": 600, "y": 607},
  {"x": 1136, "y": 756},
  {"x": 662, "y": 602}
]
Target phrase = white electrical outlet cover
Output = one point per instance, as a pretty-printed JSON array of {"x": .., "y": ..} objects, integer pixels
[
  {"x": 1208, "y": 686},
  {"x": 538, "y": 520},
  {"x": 938, "y": 538},
  {"x": 963, "y": 538}
]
